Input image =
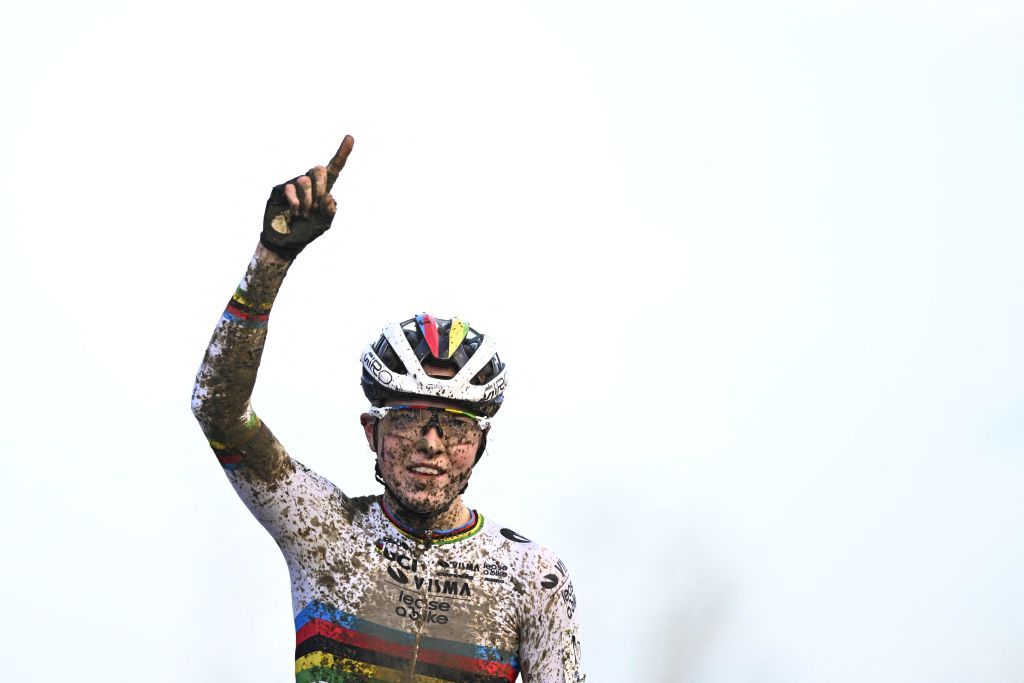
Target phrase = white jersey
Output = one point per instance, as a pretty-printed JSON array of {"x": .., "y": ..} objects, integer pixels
[{"x": 376, "y": 601}]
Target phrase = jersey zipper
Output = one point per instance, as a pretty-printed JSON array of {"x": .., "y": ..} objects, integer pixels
[{"x": 422, "y": 547}]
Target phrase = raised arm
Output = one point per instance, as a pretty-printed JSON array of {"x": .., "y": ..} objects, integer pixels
[
  {"x": 297, "y": 213},
  {"x": 224, "y": 383}
]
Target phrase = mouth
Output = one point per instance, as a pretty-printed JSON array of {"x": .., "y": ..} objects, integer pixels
[{"x": 425, "y": 471}]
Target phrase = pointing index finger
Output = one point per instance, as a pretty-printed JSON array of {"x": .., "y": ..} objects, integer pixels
[{"x": 338, "y": 162}]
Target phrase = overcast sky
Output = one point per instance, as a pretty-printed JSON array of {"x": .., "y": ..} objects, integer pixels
[{"x": 755, "y": 269}]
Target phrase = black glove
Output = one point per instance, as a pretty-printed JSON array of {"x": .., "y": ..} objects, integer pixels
[{"x": 286, "y": 235}]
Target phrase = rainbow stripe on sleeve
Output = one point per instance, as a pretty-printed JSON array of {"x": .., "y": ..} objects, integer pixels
[
  {"x": 248, "y": 313},
  {"x": 229, "y": 456},
  {"x": 333, "y": 646}
]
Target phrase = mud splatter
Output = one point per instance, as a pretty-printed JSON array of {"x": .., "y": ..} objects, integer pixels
[
  {"x": 227, "y": 375},
  {"x": 425, "y": 503},
  {"x": 507, "y": 600}
]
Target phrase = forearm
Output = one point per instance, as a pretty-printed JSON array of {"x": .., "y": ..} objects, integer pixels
[
  {"x": 297, "y": 212},
  {"x": 225, "y": 381}
]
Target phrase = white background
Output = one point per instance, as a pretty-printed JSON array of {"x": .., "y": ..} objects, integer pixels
[{"x": 755, "y": 268}]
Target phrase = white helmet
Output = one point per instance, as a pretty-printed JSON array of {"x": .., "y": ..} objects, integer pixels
[{"x": 393, "y": 367}]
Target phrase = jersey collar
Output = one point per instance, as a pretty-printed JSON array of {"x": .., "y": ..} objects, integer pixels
[{"x": 434, "y": 536}]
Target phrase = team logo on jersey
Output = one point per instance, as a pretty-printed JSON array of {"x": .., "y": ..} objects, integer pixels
[
  {"x": 552, "y": 580},
  {"x": 397, "y": 574},
  {"x": 398, "y": 563},
  {"x": 403, "y": 560},
  {"x": 495, "y": 571},
  {"x": 513, "y": 536},
  {"x": 457, "y": 569},
  {"x": 444, "y": 587},
  {"x": 418, "y": 608},
  {"x": 569, "y": 598}
]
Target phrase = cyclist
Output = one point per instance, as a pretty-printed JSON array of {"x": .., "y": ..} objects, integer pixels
[{"x": 410, "y": 585}]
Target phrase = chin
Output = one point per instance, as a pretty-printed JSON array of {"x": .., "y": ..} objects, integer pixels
[{"x": 421, "y": 504}]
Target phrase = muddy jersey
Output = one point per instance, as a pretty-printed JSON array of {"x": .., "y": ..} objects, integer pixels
[
  {"x": 376, "y": 601},
  {"x": 373, "y": 600}
]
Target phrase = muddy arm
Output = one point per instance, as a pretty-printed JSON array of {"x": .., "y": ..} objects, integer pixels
[
  {"x": 297, "y": 213},
  {"x": 224, "y": 384}
]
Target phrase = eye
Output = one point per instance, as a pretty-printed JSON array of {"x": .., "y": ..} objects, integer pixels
[
  {"x": 456, "y": 422},
  {"x": 461, "y": 429},
  {"x": 402, "y": 418}
]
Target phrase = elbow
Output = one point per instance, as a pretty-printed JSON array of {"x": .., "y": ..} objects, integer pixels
[
  {"x": 218, "y": 415},
  {"x": 200, "y": 408},
  {"x": 197, "y": 407},
  {"x": 207, "y": 407}
]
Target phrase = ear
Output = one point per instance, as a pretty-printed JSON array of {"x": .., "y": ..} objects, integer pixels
[{"x": 368, "y": 422}]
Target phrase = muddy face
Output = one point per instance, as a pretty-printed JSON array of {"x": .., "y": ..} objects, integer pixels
[
  {"x": 426, "y": 468},
  {"x": 425, "y": 474}
]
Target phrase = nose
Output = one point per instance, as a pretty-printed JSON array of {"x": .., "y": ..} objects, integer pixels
[
  {"x": 431, "y": 442},
  {"x": 433, "y": 423}
]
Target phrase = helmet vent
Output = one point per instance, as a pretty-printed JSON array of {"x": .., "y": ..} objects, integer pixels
[
  {"x": 488, "y": 372},
  {"x": 390, "y": 358},
  {"x": 436, "y": 350}
]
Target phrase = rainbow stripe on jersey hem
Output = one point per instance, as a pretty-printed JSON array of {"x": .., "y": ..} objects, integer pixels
[{"x": 335, "y": 646}]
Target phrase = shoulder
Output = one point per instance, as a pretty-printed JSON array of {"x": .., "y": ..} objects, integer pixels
[
  {"x": 360, "y": 505},
  {"x": 536, "y": 564},
  {"x": 316, "y": 496}
]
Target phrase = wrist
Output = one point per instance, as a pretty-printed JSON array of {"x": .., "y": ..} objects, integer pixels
[
  {"x": 256, "y": 292},
  {"x": 267, "y": 256}
]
